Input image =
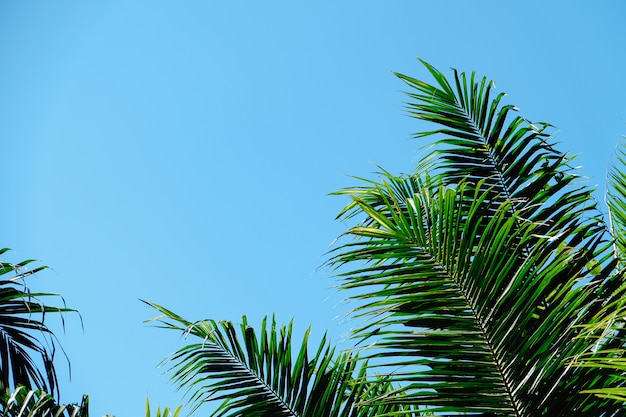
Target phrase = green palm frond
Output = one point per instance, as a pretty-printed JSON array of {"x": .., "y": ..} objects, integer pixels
[
  {"x": 616, "y": 199},
  {"x": 481, "y": 140},
  {"x": 605, "y": 333},
  {"x": 165, "y": 412},
  {"x": 35, "y": 403},
  {"x": 25, "y": 339},
  {"x": 255, "y": 374},
  {"x": 474, "y": 277}
]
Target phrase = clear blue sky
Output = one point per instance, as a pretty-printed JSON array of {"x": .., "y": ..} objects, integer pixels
[{"x": 182, "y": 151}]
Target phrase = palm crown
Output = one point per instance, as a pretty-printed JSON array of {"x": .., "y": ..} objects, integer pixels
[{"x": 487, "y": 282}]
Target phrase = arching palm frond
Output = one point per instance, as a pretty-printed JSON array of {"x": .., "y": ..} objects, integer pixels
[
  {"x": 35, "y": 403},
  {"x": 474, "y": 322},
  {"x": 476, "y": 273},
  {"x": 25, "y": 339},
  {"x": 481, "y": 140},
  {"x": 255, "y": 374}
]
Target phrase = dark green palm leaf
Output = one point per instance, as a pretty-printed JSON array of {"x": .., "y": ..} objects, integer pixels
[
  {"x": 257, "y": 374},
  {"x": 27, "y": 345},
  {"x": 481, "y": 140}
]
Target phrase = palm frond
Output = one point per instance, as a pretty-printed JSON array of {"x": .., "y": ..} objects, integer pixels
[
  {"x": 35, "y": 403},
  {"x": 27, "y": 345},
  {"x": 257, "y": 374},
  {"x": 476, "y": 272},
  {"x": 476, "y": 312},
  {"x": 616, "y": 200},
  {"x": 165, "y": 412},
  {"x": 479, "y": 139}
]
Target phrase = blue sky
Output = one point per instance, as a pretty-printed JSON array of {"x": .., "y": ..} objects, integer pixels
[{"x": 182, "y": 151}]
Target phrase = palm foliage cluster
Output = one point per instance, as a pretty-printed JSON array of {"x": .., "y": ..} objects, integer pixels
[{"x": 487, "y": 282}]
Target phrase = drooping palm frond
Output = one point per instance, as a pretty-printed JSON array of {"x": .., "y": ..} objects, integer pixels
[
  {"x": 475, "y": 276},
  {"x": 25, "y": 338},
  {"x": 255, "y": 374},
  {"x": 35, "y": 403}
]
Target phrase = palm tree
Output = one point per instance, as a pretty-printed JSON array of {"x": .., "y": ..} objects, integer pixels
[{"x": 487, "y": 282}]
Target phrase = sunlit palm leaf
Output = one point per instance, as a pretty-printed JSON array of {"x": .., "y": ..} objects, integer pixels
[
  {"x": 25, "y": 339},
  {"x": 476, "y": 312},
  {"x": 34, "y": 403}
]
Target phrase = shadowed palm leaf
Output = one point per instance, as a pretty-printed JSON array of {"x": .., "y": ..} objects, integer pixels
[
  {"x": 23, "y": 332},
  {"x": 475, "y": 274}
]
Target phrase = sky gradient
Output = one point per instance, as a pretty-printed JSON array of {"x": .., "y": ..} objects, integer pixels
[{"x": 183, "y": 152}]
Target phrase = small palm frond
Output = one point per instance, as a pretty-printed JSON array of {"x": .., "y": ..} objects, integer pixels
[
  {"x": 35, "y": 403},
  {"x": 255, "y": 374},
  {"x": 165, "y": 412},
  {"x": 24, "y": 335}
]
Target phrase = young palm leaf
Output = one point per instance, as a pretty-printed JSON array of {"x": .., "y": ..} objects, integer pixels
[{"x": 165, "y": 412}]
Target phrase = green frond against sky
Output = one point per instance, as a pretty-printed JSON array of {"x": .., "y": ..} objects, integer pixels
[{"x": 182, "y": 152}]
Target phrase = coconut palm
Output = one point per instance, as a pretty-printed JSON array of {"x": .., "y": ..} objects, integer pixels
[{"x": 487, "y": 282}]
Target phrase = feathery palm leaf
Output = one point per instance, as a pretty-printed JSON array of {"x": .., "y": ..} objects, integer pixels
[
  {"x": 35, "y": 403},
  {"x": 24, "y": 333},
  {"x": 476, "y": 275},
  {"x": 616, "y": 200},
  {"x": 606, "y": 333},
  {"x": 481, "y": 140},
  {"x": 254, "y": 374}
]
